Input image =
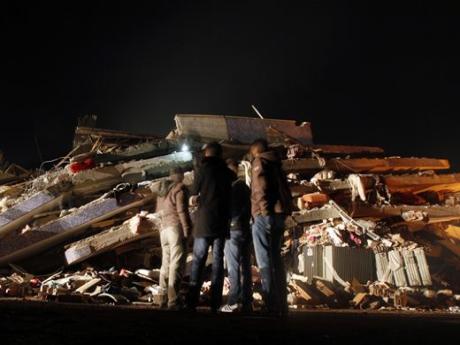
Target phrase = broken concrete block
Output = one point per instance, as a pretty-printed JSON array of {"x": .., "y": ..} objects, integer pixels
[
  {"x": 239, "y": 129},
  {"x": 153, "y": 168},
  {"x": 36, "y": 240},
  {"x": 23, "y": 212},
  {"x": 134, "y": 229}
]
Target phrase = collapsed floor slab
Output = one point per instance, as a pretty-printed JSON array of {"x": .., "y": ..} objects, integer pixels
[{"x": 34, "y": 241}]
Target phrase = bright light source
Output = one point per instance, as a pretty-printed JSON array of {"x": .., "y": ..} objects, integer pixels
[{"x": 185, "y": 148}]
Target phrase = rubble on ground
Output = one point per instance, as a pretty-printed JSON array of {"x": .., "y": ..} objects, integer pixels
[{"x": 369, "y": 231}]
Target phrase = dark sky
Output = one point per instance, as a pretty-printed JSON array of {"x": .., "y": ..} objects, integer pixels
[{"x": 387, "y": 76}]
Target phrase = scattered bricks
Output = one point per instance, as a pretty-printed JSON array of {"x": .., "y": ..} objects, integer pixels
[
  {"x": 312, "y": 200},
  {"x": 325, "y": 290},
  {"x": 400, "y": 299},
  {"x": 380, "y": 289},
  {"x": 360, "y": 299},
  {"x": 305, "y": 293},
  {"x": 429, "y": 294},
  {"x": 446, "y": 293}
]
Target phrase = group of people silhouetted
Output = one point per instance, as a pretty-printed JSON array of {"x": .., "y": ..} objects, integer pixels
[{"x": 231, "y": 218}]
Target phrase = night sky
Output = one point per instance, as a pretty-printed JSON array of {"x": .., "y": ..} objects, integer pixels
[{"x": 385, "y": 76}]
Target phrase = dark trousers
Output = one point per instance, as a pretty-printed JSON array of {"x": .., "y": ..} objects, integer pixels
[
  {"x": 238, "y": 256},
  {"x": 267, "y": 233},
  {"x": 200, "y": 254}
]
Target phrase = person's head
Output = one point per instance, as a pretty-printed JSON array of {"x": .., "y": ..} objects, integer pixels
[
  {"x": 258, "y": 146},
  {"x": 176, "y": 174},
  {"x": 232, "y": 165},
  {"x": 212, "y": 149}
]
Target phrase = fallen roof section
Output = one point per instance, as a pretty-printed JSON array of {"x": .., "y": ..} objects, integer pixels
[
  {"x": 239, "y": 129},
  {"x": 130, "y": 231},
  {"x": 23, "y": 212},
  {"x": 34, "y": 241}
]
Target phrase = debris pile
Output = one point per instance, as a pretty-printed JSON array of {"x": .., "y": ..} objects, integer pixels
[{"x": 369, "y": 232}]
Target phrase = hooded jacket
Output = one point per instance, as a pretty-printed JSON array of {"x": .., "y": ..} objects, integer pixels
[
  {"x": 270, "y": 192},
  {"x": 172, "y": 206},
  {"x": 213, "y": 185}
]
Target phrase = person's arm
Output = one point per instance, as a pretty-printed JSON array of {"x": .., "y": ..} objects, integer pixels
[
  {"x": 182, "y": 211},
  {"x": 259, "y": 179},
  {"x": 197, "y": 181}
]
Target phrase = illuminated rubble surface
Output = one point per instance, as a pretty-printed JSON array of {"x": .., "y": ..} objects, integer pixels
[{"x": 369, "y": 232}]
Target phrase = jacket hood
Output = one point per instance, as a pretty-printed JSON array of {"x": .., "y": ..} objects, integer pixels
[
  {"x": 213, "y": 161},
  {"x": 165, "y": 187}
]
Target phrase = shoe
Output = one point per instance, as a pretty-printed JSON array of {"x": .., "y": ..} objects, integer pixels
[{"x": 229, "y": 308}]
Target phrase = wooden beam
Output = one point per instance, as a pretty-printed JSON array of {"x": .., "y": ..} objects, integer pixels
[
  {"x": 422, "y": 183},
  {"x": 365, "y": 165},
  {"x": 376, "y": 165}
]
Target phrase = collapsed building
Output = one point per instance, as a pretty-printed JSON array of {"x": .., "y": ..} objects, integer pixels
[{"x": 369, "y": 231}]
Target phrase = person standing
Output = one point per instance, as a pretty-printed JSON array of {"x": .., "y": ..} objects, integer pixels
[
  {"x": 238, "y": 246},
  {"x": 212, "y": 188},
  {"x": 271, "y": 201},
  {"x": 172, "y": 209}
]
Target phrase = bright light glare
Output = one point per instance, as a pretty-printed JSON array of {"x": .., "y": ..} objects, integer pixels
[{"x": 185, "y": 148}]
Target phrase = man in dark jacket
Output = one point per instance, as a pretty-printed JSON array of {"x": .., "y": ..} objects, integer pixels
[
  {"x": 213, "y": 185},
  {"x": 238, "y": 246},
  {"x": 270, "y": 203},
  {"x": 172, "y": 209}
]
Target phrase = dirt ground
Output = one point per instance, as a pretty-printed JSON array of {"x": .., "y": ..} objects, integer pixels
[{"x": 63, "y": 323}]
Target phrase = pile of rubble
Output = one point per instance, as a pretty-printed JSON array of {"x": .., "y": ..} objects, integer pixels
[{"x": 369, "y": 232}]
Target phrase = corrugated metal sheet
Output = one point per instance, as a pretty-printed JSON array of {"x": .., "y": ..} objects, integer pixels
[
  {"x": 347, "y": 262},
  {"x": 384, "y": 273},
  {"x": 352, "y": 263},
  {"x": 413, "y": 277},
  {"x": 397, "y": 266},
  {"x": 423, "y": 266},
  {"x": 313, "y": 262},
  {"x": 403, "y": 267}
]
